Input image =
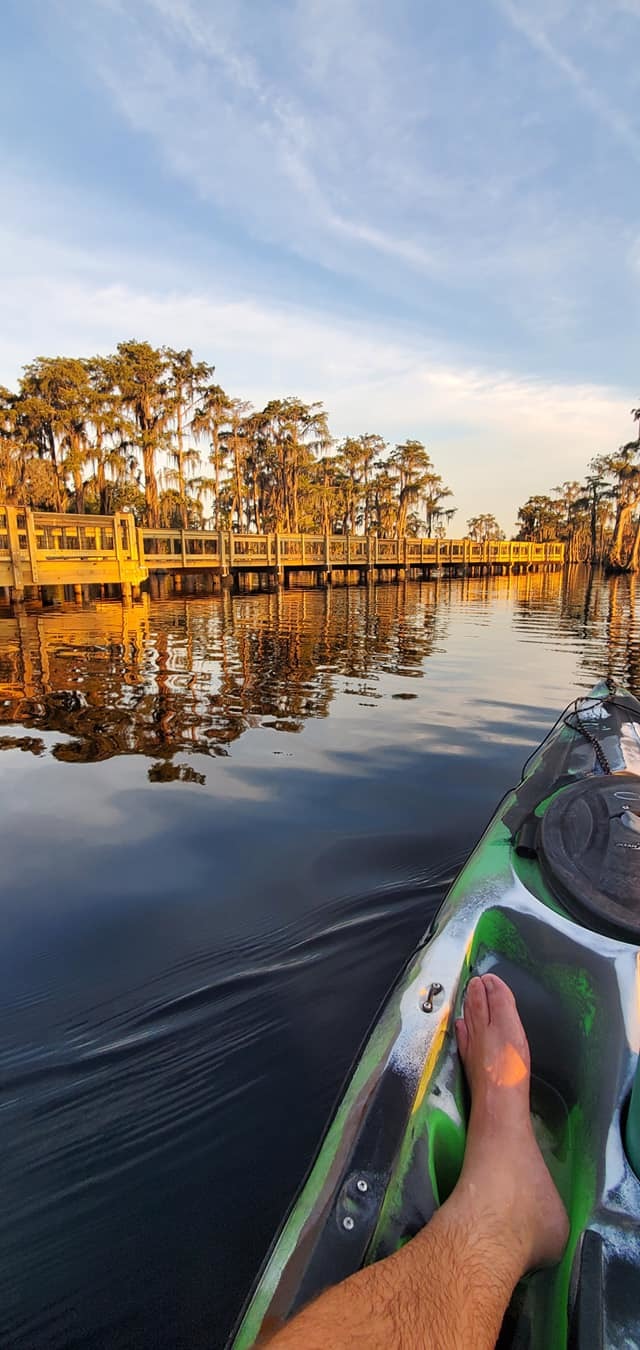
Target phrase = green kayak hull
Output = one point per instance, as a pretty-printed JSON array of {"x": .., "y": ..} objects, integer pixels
[{"x": 536, "y": 904}]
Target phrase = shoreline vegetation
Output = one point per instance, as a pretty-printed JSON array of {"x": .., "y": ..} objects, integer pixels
[{"x": 149, "y": 430}]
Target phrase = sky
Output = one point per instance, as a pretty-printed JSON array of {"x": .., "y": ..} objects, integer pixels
[{"x": 426, "y": 216}]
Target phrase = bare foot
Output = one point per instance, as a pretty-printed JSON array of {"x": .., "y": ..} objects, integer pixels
[{"x": 504, "y": 1176}]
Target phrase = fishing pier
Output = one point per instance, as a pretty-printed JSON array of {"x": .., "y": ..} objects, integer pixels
[{"x": 57, "y": 556}]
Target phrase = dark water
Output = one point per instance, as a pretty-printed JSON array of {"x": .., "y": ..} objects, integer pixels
[{"x": 225, "y": 823}]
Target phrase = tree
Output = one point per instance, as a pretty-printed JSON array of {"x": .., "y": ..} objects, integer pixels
[
  {"x": 187, "y": 380},
  {"x": 539, "y": 519},
  {"x": 484, "y": 527},
  {"x": 210, "y": 419},
  {"x": 384, "y": 498},
  {"x": 236, "y": 441},
  {"x": 623, "y": 468},
  {"x": 373, "y": 448},
  {"x": 634, "y": 560},
  {"x": 122, "y": 429},
  {"x": 286, "y": 435},
  {"x": 353, "y": 468},
  {"x": 53, "y": 411},
  {"x": 142, "y": 375},
  {"x": 590, "y": 507},
  {"x": 12, "y": 453},
  {"x": 412, "y": 464}
]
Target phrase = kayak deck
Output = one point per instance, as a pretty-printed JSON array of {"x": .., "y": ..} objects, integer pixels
[{"x": 394, "y": 1149}]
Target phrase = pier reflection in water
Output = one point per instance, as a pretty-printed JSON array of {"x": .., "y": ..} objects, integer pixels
[{"x": 234, "y": 818}]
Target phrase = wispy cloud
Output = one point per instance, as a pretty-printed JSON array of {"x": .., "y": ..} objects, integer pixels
[
  {"x": 527, "y": 23},
  {"x": 347, "y": 201},
  {"x": 323, "y": 131},
  {"x": 470, "y": 415}
]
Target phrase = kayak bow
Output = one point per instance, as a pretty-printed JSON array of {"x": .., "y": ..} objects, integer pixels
[{"x": 549, "y": 900}]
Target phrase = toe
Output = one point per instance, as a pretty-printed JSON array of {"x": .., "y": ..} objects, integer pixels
[
  {"x": 504, "y": 1016},
  {"x": 476, "y": 1007},
  {"x": 500, "y": 1001}
]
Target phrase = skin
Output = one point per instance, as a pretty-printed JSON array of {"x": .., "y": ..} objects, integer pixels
[{"x": 448, "y": 1289}]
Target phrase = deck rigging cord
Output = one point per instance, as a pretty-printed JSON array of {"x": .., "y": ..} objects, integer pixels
[{"x": 572, "y": 717}]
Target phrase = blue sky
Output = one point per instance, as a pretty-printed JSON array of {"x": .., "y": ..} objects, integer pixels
[{"x": 426, "y": 216}]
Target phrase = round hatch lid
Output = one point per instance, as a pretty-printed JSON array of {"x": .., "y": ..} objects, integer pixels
[{"x": 589, "y": 852}]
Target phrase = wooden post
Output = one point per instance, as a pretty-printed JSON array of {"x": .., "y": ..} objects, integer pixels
[
  {"x": 279, "y": 573},
  {"x": 33, "y": 547},
  {"x": 223, "y": 553},
  {"x": 16, "y": 591},
  {"x": 117, "y": 539},
  {"x": 133, "y": 539}
]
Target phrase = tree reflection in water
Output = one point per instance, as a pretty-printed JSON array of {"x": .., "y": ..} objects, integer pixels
[{"x": 194, "y": 675}]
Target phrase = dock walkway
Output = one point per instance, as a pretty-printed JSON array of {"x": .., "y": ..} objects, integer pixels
[{"x": 42, "y": 551}]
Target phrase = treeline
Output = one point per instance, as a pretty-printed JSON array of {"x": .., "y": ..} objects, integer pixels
[
  {"x": 598, "y": 518},
  {"x": 148, "y": 429}
]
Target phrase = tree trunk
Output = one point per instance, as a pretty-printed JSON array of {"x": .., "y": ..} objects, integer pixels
[
  {"x": 594, "y": 529},
  {"x": 257, "y": 515},
  {"x": 182, "y": 492},
  {"x": 294, "y": 498},
  {"x": 216, "y": 471},
  {"x": 78, "y": 488},
  {"x": 54, "y": 461},
  {"x": 634, "y": 561},
  {"x": 615, "y": 554},
  {"x": 101, "y": 477},
  {"x": 238, "y": 476},
  {"x": 150, "y": 481}
]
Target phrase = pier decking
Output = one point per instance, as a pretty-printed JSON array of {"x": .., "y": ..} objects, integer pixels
[{"x": 43, "y": 551}]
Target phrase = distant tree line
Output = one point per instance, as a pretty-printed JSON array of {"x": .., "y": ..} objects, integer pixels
[
  {"x": 598, "y": 518},
  {"x": 148, "y": 429}
]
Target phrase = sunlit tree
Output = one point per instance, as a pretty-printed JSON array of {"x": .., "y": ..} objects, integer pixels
[{"x": 484, "y": 527}]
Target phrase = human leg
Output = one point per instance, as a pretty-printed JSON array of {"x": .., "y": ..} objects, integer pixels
[{"x": 448, "y": 1288}]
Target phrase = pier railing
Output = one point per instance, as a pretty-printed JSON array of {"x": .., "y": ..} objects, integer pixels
[{"x": 44, "y": 548}]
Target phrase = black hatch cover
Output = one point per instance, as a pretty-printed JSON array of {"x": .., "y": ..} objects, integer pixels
[{"x": 589, "y": 852}]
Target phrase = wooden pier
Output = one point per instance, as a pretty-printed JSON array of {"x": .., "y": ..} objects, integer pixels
[{"x": 43, "y": 553}]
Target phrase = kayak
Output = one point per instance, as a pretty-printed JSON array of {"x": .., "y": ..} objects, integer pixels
[{"x": 550, "y": 901}]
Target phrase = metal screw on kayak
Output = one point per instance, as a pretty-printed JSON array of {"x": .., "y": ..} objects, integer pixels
[
  {"x": 348, "y": 1223},
  {"x": 362, "y": 1185},
  {"x": 427, "y": 1003}
]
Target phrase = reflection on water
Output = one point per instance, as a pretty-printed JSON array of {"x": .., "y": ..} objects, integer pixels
[
  {"x": 225, "y": 824},
  {"x": 194, "y": 675}
]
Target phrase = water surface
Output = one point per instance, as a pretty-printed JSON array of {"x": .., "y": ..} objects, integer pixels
[{"x": 225, "y": 823}]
